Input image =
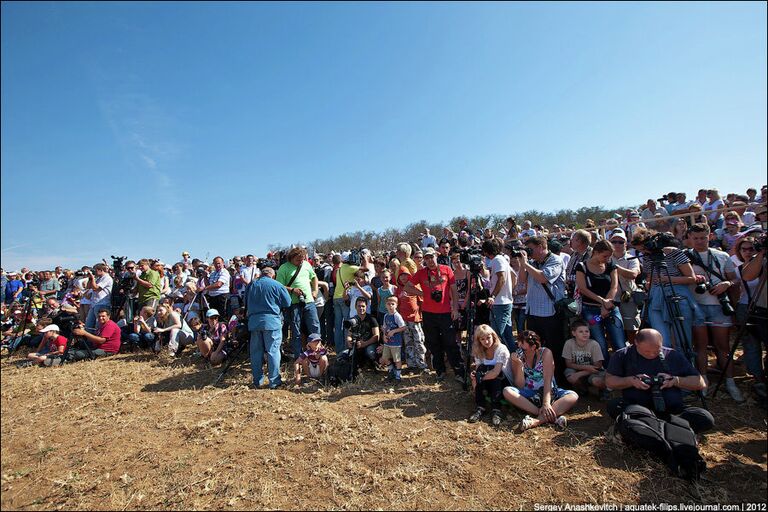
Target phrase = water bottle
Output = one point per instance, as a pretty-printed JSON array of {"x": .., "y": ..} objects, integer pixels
[{"x": 595, "y": 320}]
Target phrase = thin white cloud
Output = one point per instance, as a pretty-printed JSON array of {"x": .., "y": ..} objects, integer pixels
[{"x": 151, "y": 163}]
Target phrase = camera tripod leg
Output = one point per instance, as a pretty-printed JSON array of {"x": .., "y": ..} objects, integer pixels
[{"x": 230, "y": 361}]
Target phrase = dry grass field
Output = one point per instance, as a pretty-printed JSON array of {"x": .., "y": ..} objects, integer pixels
[{"x": 137, "y": 432}]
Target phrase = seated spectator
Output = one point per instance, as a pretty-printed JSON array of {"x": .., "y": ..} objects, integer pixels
[
  {"x": 143, "y": 326},
  {"x": 631, "y": 369},
  {"x": 171, "y": 326},
  {"x": 52, "y": 344},
  {"x": 313, "y": 362},
  {"x": 583, "y": 357},
  {"x": 534, "y": 389},
  {"x": 212, "y": 341},
  {"x": 490, "y": 374}
]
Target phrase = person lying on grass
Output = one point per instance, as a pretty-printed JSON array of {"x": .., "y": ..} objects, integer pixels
[{"x": 535, "y": 390}]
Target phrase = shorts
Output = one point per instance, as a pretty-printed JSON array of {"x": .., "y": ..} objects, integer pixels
[
  {"x": 590, "y": 378},
  {"x": 535, "y": 395},
  {"x": 314, "y": 370},
  {"x": 714, "y": 317},
  {"x": 391, "y": 353}
]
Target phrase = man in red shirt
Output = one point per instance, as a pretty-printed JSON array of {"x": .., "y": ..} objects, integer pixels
[
  {"x": 440, "y": 309},
  {"x": 106, "y": 340}
]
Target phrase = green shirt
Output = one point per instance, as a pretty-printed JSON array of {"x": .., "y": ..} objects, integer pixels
[
  {"x": 302, "y": 281},
  {"x": 154, "y": 291},
  {"x": 344, "y": 274}
]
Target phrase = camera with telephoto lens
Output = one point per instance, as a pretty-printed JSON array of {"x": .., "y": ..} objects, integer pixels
[
  {"x": 518, "y": 253},
  {"x": 759, "y": 243},
  {"x": 659, "y": 241},
  {"x": 723, "y": 299},
  {"x": 80, "y": 273},
  {"x": 351, "y": 323},
  {"x": 472, "y": 257},
  {"x": 480, "y": 374}
]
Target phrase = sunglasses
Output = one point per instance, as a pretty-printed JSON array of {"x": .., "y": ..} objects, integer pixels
[{"x": 618, "y": 242}]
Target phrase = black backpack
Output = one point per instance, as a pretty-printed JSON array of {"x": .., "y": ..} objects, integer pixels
[
  {"x": 673, "y": 441},
  {"x": 342, "y": 370}
]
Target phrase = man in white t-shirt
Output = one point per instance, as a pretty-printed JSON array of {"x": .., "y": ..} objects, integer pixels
[
  {"x": 503, "y": 281},
  {"x": 217, "y": 288},
  {"x": 719, "y": 274},
  {"x": 100, "y": 285}
]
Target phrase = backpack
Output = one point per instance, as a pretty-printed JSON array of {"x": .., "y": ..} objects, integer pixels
[
  {"x": 673, "y": 441},
  {"x": 342, "y": 370}
]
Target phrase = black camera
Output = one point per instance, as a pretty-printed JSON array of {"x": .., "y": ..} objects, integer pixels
[
  {"x": 201, "y": 272},
  {"x": 473, "y": 258},
  {"x": 518, "y": 253},
  {"x": 351, "y": 323},
  {"x": 117, "y": 263},
  {"x": 354, "y": 258},
  {"x": 480, "y": 374},
  {"x": 436, "y": 295},
  {"x": 759, "y": 243},
  {"x": 652, "y": 381},
  {"x": 659, "y": 241},
  {"x": 725, "y": 302},
  {"x": 80, "y": 273}
]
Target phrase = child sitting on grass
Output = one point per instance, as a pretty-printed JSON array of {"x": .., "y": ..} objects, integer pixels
[
  {"x": 313, "y": 362},
  {"x": 583, "y": 358},
  {"x": 52, "y": 344},
  {"x": 393, "y": 326}
]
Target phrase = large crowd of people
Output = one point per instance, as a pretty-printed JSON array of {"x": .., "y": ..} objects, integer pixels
[{"x": 614, "y": 307}]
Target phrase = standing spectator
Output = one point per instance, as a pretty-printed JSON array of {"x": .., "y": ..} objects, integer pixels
[
  {"x": 413, "y": 336},
  {"x": 300, "y": 280},
  {"x": 427, "y": 239},
  {"x": 581, "y": 251},
  {"x": 264, "y": 300},
  {"x": 546, "y": 285},
  {"x": 503, "y": 282},
  {"x": 148, "y": 285},
  {"x": 597, "y": 282},
  {"x": 344, "y": 274},
  {"x": 628, "y": 268},
  {"x": 715, "y": 219},
  {"x": 649, "y": 215},
  {"x": 217, "y": 287},
  {"x": 50, "y": 285},
  {"x": 443, "y": 256},
  {"x": 13, "y": 288},
  {"x": 101, "y": 293},
  {"x": 716, "y": 269},
  {"x": 403, "y": 255},
  {"x": 440, "y": 309}
]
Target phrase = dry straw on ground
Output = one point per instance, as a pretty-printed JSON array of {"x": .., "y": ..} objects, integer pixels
[{"x": 137, "y": 432}]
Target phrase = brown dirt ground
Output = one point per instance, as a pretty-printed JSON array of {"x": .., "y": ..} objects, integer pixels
[{"x": 137, "y": 432}]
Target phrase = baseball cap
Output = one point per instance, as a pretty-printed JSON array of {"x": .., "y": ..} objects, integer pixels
[
  {"x": 314, "y": 337},
  {"x": 212, "y": 312},
  {"x": 429, "y": 251},
  {"x": 619, "y": 233},
  {"x": 52, "y": 327}
]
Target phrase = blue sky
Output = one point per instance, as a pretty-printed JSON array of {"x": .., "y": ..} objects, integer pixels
[{"x": 145, "y": 129}]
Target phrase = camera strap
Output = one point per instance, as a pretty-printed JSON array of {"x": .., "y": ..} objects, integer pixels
[{"x": 696, "y": 259}]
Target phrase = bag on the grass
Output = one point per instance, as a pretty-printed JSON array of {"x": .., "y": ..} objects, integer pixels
[
  {"x": 341, "y": 370},
  {"x": 673, "y": 441}
]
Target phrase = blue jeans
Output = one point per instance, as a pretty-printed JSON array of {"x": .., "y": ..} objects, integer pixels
[
  {"x": 612, "y": 325},
  {"x": 143, "y": 340},
  {"x": 501, "y": 322},
  {"x": 659, "y": 318},
  {"x": 269, "y": 342},
  {"x": 340, "y": 313},
  {"x": 518, "y": 319},
  {"x": 90, "y": 321},
  {"x": 307, "y": 312}
]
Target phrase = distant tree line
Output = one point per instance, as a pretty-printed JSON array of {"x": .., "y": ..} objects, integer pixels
[{"x": 379, "y": 241}]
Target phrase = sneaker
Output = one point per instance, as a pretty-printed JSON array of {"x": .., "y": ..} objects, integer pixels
[
  {"x": 496, "y": 418},
  {"x": 526, "y": 424},
  {"x": 440, "y": 377},
  {"x": 158, "y": 346},
  {"x": 561, "y": 422},
  {"x": 733, "y": 390},
  {"x": 476, "y": 415}
]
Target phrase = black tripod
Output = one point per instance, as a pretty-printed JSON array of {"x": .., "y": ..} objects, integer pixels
[
  {"x": 751, "y": 310},
  {"x": 77, "y": 340},
  {"x": 16, "y": 343},
  {"x": 230, "y": 361},
  {"x": 672, "y": 305},
  {"x": 471, "y": 309}
]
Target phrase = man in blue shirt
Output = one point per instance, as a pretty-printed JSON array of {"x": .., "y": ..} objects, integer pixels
[{"x": 264, "y": 299}]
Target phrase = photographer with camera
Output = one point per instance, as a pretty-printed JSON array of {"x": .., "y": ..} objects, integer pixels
[
  {"x": 49, "y": 285},
  {"x": 668, "y": 274},
  {"x": 217, "y": 287},
  {"x": 343, "y": 274},
  {"x": 580, "y": 251},
  {"x": 755, "y": 308},
  {"x": 104, "y": 342},
  {"x": 503, "y": 281},
  {"x": 715, "y": 275},
  {"x": 440, "y": 310},
  {"x": 546, "y": 287},
  {"x": 363, "y": 334},
  {"x": 100, "y": 286},
  {"x": 653, "y": 376}
]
